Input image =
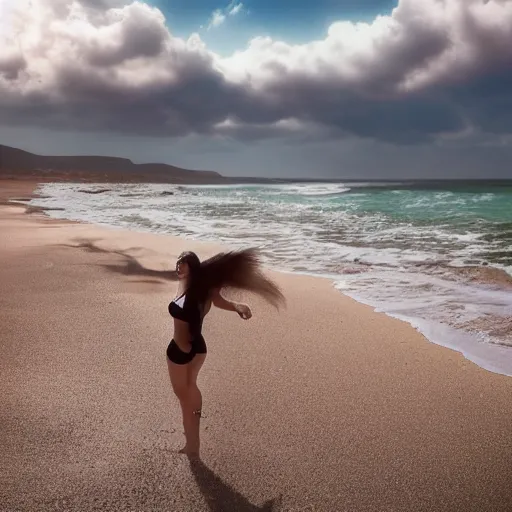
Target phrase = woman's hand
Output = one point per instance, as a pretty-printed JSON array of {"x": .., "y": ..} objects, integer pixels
[{"x": 244, "y": 311}]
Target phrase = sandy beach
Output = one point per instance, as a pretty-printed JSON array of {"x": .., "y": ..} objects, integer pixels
[{"x": 324, "y": 406}]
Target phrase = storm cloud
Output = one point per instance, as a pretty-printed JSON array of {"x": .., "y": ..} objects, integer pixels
[{"x": 430, "y": 70}]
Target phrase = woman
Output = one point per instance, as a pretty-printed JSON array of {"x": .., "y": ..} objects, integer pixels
[{"x": 200, "y": 285}]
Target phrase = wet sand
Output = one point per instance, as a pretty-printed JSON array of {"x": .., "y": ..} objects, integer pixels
[{"x": 325, "y": 406}]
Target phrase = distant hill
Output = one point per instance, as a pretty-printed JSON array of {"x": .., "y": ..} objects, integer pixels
[{"x": 16, "y": 164}]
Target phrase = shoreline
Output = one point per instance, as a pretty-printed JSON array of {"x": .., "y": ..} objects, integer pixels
[
  {"x": 492, "y": 357},
  {"x": 327, "y": 405}
]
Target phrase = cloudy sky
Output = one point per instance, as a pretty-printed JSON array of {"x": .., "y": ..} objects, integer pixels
[{"x": 295, "y": 88}]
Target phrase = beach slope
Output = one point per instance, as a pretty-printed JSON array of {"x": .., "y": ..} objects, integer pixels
[{"x": 325, "y": 406}]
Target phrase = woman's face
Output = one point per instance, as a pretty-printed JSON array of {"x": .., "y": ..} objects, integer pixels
[{"x": 182, "y": 269}]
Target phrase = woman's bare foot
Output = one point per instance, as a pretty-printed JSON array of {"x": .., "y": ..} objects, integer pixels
[{"x": 189, "y": 452}]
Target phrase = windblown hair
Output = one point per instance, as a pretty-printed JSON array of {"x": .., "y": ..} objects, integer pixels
[{"x": 235, "y": 269}]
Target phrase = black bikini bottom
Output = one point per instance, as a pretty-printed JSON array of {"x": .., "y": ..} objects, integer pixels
[{"x": 177, "y": 356}]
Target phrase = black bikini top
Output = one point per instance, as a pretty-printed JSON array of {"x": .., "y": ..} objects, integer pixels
[{"x": 187, "y": 311}]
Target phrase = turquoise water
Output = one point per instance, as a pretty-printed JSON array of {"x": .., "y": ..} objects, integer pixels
[
  {"x": 436, "y": 255},
  {"x": 471, "y": 226}
]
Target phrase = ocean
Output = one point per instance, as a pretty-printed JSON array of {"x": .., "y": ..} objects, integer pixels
[{"x": 438, "y": 256}]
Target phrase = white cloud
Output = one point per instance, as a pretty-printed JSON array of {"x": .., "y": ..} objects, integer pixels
[
  {"x": 219, "y": 16},
  {"x": 235, "y": 8},
  {"x": 217, "y": 19}
]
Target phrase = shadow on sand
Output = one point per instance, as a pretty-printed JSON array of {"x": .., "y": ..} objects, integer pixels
[
  {"x": 128, "y": 266},
  {"x": 220, "y": 497}
]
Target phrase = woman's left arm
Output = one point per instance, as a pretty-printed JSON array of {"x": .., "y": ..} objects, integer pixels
[{"x": 220, "y": 302}]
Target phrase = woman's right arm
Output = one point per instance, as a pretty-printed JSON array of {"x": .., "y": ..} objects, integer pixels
[{"x": 220, "y": 302}]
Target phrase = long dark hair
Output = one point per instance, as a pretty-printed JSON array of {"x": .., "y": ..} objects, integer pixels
[{"x": 234, "y": 269}]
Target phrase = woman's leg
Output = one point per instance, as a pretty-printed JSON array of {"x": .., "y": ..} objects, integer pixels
[
  {"x": 184, "y": 384},
  {"x": 195, "y": 402},
  {"x": 178, "y": 374}
]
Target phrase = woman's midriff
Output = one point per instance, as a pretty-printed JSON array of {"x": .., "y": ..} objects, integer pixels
[{"x": 182, "y": 335}]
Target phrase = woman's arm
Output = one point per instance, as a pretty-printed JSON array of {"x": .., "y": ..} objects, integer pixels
[{"x": 220, "y": 302}]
